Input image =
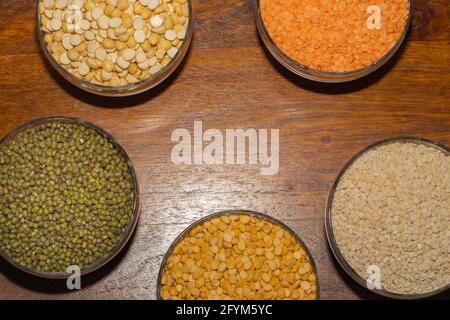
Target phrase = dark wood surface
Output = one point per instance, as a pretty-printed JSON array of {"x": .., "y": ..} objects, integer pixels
[{"x": 229, "y": 81}]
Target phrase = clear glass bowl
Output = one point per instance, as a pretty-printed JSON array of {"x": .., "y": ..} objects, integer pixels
[
  {"x": 231, "y": 212},
  {"x": 329, "y": 226},
  {"x": 136, "y": 206},
  {"x": 119, "y": 91},
  {"x": 318, "y": 75}
]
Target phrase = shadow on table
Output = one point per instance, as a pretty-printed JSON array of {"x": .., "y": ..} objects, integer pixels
[
  {"x": 337, "y": 88},
  {"x": 365, "y": 293},
  {"x": 52, "y": 286},
  {"x": 113, "y": 102}
]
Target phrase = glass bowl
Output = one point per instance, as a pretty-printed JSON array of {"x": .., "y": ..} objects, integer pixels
[
  {"x": 329, "y": 226},
  {"x": 318, "y": 75},
  {"x": 119, "y": 91},
  {"x": 136, "y": 206},
  {"x": 234, "y": 212}
]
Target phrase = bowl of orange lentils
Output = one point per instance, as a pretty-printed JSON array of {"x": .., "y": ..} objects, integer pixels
[{"x": 333, "y": 41}]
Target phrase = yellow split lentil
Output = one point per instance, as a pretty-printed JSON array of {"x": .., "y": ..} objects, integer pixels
[{"x": 238, "y": 256}]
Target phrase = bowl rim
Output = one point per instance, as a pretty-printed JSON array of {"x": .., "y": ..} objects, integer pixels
[
  {"x": 136, "y": 203},
  {"x": 118, "y": 91},
  {"x": 329, "y": 226},
  {"x": 326, "y": 76},
  {"x": 217, "y": 214}
]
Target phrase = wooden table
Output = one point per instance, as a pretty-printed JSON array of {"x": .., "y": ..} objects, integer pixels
[{"x": 229, "y": 81}]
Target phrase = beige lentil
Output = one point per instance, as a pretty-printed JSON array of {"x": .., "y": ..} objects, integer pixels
[{"x": 391, "y": 209}]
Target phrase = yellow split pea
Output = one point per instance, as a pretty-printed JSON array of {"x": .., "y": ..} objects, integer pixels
[
  {"x": 114, "y": 42},
  {"x": 238, "y": 256}
]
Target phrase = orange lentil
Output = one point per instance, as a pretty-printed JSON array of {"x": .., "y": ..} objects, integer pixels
[{"x": 333, "y": 35}]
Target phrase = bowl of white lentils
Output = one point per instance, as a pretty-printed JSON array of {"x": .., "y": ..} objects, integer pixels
[
  {"x": 114, "y": 47},
  {"x": 388, "y": 218}
]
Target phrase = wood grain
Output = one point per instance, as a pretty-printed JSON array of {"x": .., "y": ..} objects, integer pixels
[{"x": 229, "y": 81}]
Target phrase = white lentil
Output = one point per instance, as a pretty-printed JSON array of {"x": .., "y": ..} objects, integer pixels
[{"x": 391, "y": 209}]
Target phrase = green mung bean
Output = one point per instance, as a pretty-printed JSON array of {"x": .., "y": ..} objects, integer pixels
[{"x": 66, "y": 196}]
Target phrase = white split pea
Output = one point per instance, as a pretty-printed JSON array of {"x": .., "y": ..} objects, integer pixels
[
  {"x": 114, "y": 42},
  {"x": 103, "y": 22},
  {"x": 66, "y": 42},
  {"x": 75, "y": 40},
  {"x": 141, "y": 57},
  {"x": 138, "y": 23},
  {"x": 153, "y": 4},
  {"x": 170, "y": 35},
  {"x": 139, "y": 36},
  {"x": 63, "y": 59},
  {"x": 156, "y": 21},
  {"x": 100, "y": 54},
  {"x": 56, "y": 24},
  {"x": 84, "y": 69},
  {"x": 172, "y": 52}
]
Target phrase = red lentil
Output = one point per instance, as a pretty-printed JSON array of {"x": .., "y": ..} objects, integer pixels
[{"x": 333, "y": 35}]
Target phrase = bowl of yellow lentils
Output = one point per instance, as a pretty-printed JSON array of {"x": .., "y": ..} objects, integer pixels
[
  {"x": 114, "y": 47},
  {"x": 238, "y": 255}
]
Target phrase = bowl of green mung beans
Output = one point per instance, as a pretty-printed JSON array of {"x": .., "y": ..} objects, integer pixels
[{"x": 69, "y": 197}]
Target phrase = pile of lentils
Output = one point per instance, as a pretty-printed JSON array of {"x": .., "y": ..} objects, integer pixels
[
  {"x": 334, "y": 36},
  {"x": 239, "y": 256},
  {"x": 66, "y": 197},
  {"x": 114, "y": 42},
  {"x": 391, "y": 209}
]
